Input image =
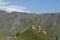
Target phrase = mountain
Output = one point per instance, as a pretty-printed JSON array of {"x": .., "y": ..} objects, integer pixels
[{"x": 18, "y": 22}]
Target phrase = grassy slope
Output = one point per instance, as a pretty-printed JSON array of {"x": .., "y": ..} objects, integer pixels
[
  {"x": 29, "y": 36},
  {"x": 2, "y": 37}
]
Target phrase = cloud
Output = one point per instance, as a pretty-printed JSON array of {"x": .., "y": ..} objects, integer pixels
[
  {"x": 2, "y": 3},
  {"x": 11, "y": 8},
  {"x": 14, "y": 8}
]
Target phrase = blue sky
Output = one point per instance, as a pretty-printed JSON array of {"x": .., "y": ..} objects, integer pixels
[{"x": 37, "y": 6}]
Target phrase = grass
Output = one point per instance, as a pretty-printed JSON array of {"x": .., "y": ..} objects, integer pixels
[
  {"x": 29, "y": 36},
  {"x": 2, "y": 37}
]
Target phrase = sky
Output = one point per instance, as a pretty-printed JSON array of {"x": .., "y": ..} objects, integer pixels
[{"x": 31, "y": 6}]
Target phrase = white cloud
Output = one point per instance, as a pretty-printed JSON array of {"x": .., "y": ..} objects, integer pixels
[
  {"x": 2, "y": 3},
  {"x": 10, "y": 8}
]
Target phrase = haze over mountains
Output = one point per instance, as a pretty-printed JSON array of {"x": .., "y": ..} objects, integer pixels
[{"x": 18, "y": 22}]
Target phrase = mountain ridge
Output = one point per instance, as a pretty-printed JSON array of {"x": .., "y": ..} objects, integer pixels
[{"x": 19, "y": 22}]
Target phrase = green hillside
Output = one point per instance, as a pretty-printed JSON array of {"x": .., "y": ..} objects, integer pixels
[{"x": 29, "y": 36}]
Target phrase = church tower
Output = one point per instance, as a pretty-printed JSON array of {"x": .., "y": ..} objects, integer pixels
[
  {"x": 33, "y": 27},
  {"x": 39, "y": 29}
]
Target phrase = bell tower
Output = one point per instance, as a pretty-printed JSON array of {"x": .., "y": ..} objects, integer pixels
[
  {"x": 33, "y": 27},
  {"x": 39, "y": 29}
]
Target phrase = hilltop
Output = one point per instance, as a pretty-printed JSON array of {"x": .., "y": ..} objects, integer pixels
[
  {"x": 29, "y": 36},
  {"x": 33, "y": 35}
]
